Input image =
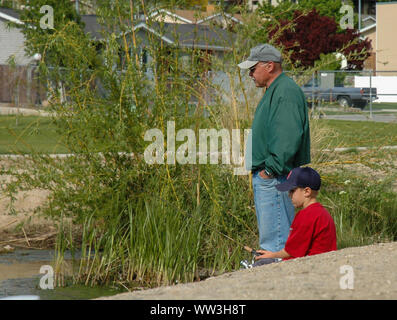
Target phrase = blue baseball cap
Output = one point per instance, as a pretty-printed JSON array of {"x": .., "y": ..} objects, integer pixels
[{"x": 301, "y": 178}]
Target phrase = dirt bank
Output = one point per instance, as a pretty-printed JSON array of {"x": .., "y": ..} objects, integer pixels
[
  {"x": 374, "y": 271},
  {"x": 21, "y": 225}
]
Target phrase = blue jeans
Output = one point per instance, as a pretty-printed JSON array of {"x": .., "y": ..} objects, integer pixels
[{"x": 274, "y": 212}]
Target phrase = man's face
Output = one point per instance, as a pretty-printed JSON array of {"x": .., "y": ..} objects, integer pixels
[{"x": 260, "y": 73}]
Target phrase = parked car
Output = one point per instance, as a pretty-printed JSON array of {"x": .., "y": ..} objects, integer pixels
[{"x": 345, "y": 96}]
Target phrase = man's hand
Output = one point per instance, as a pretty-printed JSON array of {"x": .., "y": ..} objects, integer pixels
[{"x": 264, "y": 175}]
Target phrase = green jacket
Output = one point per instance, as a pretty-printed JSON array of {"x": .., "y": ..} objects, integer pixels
[{"x": 280, "y": 130}]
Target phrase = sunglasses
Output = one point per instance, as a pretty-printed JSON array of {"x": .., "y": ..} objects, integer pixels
[{"x": 252, "y": 69}]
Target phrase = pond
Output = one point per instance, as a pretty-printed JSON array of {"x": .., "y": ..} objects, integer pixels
[{"x": 20, "y": 275}]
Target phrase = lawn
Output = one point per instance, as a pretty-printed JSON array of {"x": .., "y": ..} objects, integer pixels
[
  {"x": 382, "y": 105},
  {"x": 361, "y": 133},
  {"x": 334, "y": 108},
  {"x": 24, "y": 134}
]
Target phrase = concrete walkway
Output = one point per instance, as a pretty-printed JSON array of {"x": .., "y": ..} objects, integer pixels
[
  {"x": 6, "y": 110},
  {"x": 363, "y": 117}
]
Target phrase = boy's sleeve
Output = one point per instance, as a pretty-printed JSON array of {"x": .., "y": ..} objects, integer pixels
[{"x": 299, "y": 239}]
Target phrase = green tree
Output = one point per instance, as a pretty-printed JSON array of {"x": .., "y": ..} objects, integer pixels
[
  {"x": 329, "y": 8},
  {"x": 7, "y": 4},
  {"x": 285, "y": 8},
  {"x": 54, "y": 30},
  {"x": 65, "y": 19}
]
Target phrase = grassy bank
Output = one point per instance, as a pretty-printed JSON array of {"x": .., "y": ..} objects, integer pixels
[{"x": 189, "y": 222}]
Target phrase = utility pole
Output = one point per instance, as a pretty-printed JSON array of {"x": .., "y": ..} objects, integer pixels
[
  {"x": 77, "y": 6},
  {"x": 359, "y": 15}
]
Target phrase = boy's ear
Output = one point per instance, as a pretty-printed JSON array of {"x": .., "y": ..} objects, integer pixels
[{"x": 308, "y": 192}]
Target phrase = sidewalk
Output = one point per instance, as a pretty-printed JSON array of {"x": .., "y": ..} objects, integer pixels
[
  {"x": 362, "y": 117},
  {"x": 6, "y": 110}
]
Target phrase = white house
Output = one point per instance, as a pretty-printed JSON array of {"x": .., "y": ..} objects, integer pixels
[{"x": 11, "y": 39}]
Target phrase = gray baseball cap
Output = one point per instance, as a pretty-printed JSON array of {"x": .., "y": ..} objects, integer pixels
[{"x": 263, "y": 52}]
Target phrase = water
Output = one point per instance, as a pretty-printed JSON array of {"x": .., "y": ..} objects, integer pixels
[{"x": 20, "y": 276}]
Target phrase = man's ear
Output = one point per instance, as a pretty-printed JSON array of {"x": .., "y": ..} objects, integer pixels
[{"x": 275, "y": 66}]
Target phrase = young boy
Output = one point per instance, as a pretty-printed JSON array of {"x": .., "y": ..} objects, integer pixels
[{"x": 313, "y": 229}]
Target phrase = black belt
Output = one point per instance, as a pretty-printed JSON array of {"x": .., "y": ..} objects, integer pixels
[{"x": 272, "y": 176}]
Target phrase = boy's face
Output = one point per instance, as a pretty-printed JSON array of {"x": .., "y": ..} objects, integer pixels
[{"x": 299, "y": 196}]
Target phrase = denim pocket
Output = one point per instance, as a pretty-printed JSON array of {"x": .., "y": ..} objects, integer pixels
[
  {"x": 262, "y": 183},
  {"x": 264, "y": 179}
]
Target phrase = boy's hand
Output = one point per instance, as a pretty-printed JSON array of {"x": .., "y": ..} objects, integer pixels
[
  {"x": 270, "y": 254},
  {"x": 264, "y": 254}
]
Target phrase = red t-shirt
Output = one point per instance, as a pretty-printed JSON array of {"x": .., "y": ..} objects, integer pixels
[{"x": 312, "y": 232}]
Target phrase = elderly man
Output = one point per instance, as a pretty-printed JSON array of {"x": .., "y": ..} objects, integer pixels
[{"x": 280, "y": 142}]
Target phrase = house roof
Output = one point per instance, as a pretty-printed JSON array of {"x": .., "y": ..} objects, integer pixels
[
  {"x": 191, "y": 35},
  {"x": 185, "y": 35},
  {"x": 369, "y": 18},
  {"x": 194, "y": 16},
  {"x": 367, "y": 28},
  {"x": 236, "y": 17},
  {"x": 92, "y": 26},
  {"x": 10, "y": 15},
  {"x": 187, "y": 16}
]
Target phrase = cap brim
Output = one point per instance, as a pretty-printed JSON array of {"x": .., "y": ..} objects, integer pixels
[
  {"x": 285, "y": 186},
  {"x": 247, "y": 64}
]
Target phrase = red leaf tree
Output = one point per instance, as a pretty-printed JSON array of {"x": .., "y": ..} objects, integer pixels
[{"x": 312, "y": 34}]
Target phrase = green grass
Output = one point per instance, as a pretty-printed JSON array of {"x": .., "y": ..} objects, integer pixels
[
  {"x": 364, "y": 211},
  {"x": 382, "y": 105},
  {"x": 361, "y": 134},
  {"x": 375, "y": 105},
  {"x": 334, "y": 108},
  {"x": 24, "y": 134}
]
